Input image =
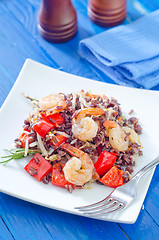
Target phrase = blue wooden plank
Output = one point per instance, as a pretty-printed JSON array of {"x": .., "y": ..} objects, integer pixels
[
  {"x": 135, "y": 10},
  {"x": 61, "y": 53},
  {"x": 22, "y": 220},
  {"x": 145, "y": 228},
  {"x": 150, "y": 5},
  {"x": 102, "y": 229},
  {"x": 151, "y": 202},
  {"x": 62, "y": 225},
  {"x": 156, "y": 174},
  {"x": 75, "y": 227},
  {"x": 4, "y": 232},
  {"x": 14, "y": 38},
  {"x": 5, "y": 85}
]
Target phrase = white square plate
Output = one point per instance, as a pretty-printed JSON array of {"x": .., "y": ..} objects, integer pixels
[{"x": 38, "y": 81}]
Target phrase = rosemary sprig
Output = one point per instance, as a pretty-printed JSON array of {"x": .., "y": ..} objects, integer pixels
[{"x": 17, "y": 153}]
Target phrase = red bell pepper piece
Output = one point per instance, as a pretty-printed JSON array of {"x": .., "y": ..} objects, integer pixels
[
  {"x": 38, "y": 167},
  {"x": 113, "y": 178},
  {"x": 58, "y": 177},
  {"x": 23, "y": 137},
  {"x": 59, "y": 140},
  {"x": 55, "y": 118},
  {"x": 42, "y": 127},
  {"x": 105, "y": 161}
]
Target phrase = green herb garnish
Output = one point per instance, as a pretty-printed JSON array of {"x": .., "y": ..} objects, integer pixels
[{"x": 17, "y": 153}]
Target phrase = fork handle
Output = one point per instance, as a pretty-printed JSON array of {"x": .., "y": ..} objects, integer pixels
[{"x": 146, "y": 168}]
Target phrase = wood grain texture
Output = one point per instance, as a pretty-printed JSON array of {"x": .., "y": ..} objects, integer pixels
[
  {"x": 61, "y": 53},
  {"x": 145, "y": 227},
  {"x": 20, "y": 39},
  {"x": 152, "y": 199},
  {"x": 21, "y": 219},
  {"x": 102, "y": 229},
  {"x": 4, "y": 231},
  {"x": 87, "y": 228}
]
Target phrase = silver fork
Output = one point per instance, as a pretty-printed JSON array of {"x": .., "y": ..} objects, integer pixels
[{"x": 119, "y": 198}]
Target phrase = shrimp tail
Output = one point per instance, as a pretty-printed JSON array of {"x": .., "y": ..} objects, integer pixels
[
  {"x": 72, "y": 150},
  {"x": 94, "y": 111},
  {"x": 79, "y": 114}
]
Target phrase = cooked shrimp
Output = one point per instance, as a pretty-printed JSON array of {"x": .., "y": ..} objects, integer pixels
[
  {"x": 79, "y": 169},
  {"x": 118, "y": 139},
  {"x": 53, "y": 103},
  {"x": 85, "y": 128},
  {"x": 50, "y": 101}
]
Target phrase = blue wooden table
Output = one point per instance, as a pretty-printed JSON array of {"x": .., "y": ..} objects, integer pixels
[{"x": 20, "y": 39}]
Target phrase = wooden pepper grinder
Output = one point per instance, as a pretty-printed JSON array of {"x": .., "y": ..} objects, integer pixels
[
  {"x": 107, "y": 13},
  {"x": 57, "y": 20}
]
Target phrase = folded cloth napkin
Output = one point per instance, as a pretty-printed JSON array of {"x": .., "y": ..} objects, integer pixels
[{"x": 128, "y": 54}]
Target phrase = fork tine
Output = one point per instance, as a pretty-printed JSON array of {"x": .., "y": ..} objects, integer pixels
[
  {"x": 110, "y": 210},
  {"x": 95, "y": 205},
  {"x": 114, "y": 208},
  {"x": 106, "y": 202}
]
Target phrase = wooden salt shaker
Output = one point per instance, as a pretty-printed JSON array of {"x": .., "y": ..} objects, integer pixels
[
  {"x": 107, "y": 13},
  {"x": 57, "y": 20}
]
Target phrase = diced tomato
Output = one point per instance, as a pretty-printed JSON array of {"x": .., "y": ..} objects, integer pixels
[
  {"x": 42, "y": 127},
  {"x": 55, "y": 118},
  {"x": 113, "y": 178},
  {"x": 58, "y": 177},
  {"x": 60, "y": 139},
  {"x": 105, "y": 161},
  {"x": 38, "y": 167},
  {"x": 23, "y": 137}
]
